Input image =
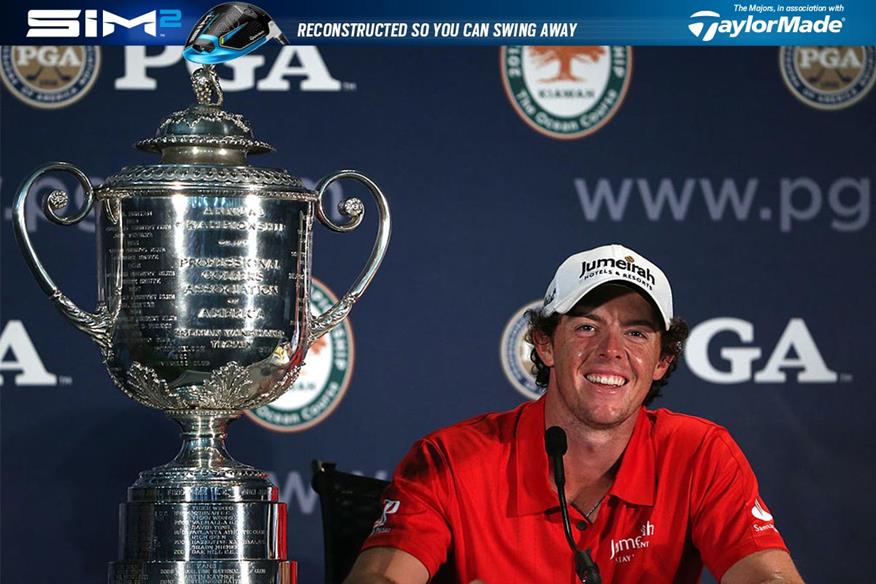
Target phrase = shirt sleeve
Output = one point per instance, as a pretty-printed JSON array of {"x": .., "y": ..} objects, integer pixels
[
  {"x": 729, "y": 519},
  {"x": 414, "y": 517}
]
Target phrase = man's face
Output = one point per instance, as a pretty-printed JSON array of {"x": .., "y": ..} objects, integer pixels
[{"x": 604, "y": 354}]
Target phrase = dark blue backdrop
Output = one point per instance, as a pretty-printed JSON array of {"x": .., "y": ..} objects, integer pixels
[{"x": 484, "y": 209}]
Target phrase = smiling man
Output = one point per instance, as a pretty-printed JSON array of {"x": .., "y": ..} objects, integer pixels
[{"x": 652, "y": 495}]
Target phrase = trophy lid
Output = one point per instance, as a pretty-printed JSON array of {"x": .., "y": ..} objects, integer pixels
[
  {"x": 204, "y": 132},
  {"x": 205, "y": 127},
  {"x": 204, "y": 146}
]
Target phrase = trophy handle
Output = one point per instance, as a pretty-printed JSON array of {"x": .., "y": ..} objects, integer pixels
[
  {"x": 95, "y": 325},
  {"x": 355, "y": 210}
]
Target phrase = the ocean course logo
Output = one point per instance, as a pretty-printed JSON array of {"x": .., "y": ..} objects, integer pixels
[
  {"x": 566, "y": 92},
  {"x": 828, "y": 78},
  {"x": 322, "y": 381},
  {"x": 707, "y": 24},
  {"x": 515, "y": 351},
  {"x": 49, "y": 77}
]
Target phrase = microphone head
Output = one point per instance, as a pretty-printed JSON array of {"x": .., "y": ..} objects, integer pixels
[{"x": 555, "y": 441}]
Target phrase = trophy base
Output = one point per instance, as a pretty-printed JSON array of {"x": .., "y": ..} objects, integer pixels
[
  {"x": 204, "y": 572},
  {"x": 251, "y": 530},
  {"x": 203, "y": 518}
]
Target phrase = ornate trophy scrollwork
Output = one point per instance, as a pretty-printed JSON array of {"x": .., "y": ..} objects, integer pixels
[
  {"x": 204, "y": 267},
  {"x": 205, "y": 82},
  {"x": 96, "y": 325},
  {"x": 355, "y": 210}
]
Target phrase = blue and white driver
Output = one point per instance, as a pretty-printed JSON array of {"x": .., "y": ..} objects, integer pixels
[{"x": 228, "y": 31}]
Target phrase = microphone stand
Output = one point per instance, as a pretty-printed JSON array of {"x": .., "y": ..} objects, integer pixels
[{"x": 556, "y": 445}]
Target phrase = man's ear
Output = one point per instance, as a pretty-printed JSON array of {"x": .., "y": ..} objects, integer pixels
[
  {"x": 544, "y": 347},
  {"x": 662, "y": 367}
]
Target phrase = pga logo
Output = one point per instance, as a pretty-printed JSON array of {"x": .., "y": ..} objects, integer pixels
[
  {"x": 18, "y": 354},
  {"x": 795, "y": 350},
  {"x": 303, "y": 62}
]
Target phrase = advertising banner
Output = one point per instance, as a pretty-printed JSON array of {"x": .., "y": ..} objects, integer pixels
[{"x": 504, "y": 139}]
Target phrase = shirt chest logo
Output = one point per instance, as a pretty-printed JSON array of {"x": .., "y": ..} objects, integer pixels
[
  {"x": 624, "y": 549},
  {"x": 390, "y": 506},
  {"x": 759, "y": 512}
]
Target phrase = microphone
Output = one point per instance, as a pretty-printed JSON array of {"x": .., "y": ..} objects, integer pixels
[{"x": 555, "y": 444}]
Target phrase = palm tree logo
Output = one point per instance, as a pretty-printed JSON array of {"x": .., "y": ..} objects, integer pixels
[
  {"x": 566, "y": 92},
  {"x": 544, "y": 56}
]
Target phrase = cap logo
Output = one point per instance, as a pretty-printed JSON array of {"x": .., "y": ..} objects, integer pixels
[
  {"x": 630, "y": 259},
  {"x": 550, "y": 296},
  {"x": 624, "y": 268}
]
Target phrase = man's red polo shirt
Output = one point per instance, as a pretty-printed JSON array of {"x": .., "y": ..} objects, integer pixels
[{"x": 480, "y": 493}]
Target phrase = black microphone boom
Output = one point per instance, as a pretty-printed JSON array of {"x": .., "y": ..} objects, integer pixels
[{"x": 555, "y": 444}]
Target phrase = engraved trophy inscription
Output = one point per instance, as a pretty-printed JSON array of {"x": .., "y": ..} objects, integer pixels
[{"x": 204, "y": 279}]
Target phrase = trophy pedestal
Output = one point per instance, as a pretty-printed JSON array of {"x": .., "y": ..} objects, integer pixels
[{"x": 203, "y": 518}]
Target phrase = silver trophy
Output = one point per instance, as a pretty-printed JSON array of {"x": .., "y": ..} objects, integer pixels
[{"x": 203, "y": 311}]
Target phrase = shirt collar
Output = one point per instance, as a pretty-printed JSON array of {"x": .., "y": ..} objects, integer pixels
[
  {"x": 636, "y": 478},
  {"x": 531, "y": 470}
]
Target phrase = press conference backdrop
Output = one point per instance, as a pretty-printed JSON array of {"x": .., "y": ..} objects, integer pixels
[{"x": 757, "y": 204}]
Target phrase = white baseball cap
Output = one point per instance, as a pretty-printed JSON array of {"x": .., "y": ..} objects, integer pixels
[{"x": 585, "y": 271}]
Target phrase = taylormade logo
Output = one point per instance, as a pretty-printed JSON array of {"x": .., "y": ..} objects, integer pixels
[{"x": 705, "y": 24}]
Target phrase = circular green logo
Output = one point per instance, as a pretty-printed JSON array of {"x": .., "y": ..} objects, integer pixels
[
  {"x": 566, "y": 92},
  {"x": 322, "y": 381}
]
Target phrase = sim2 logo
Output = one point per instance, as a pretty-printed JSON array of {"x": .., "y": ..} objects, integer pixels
[{"x": 64, "y": 23}]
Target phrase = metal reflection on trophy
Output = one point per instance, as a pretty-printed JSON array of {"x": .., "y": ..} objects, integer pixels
[{"x": 204, "y": 268}]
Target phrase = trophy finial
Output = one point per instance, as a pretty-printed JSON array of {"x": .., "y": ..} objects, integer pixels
[{"x": 205, "y": 82}]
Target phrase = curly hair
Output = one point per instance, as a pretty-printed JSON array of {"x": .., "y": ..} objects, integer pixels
[{"x": 671, "y": 345}]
